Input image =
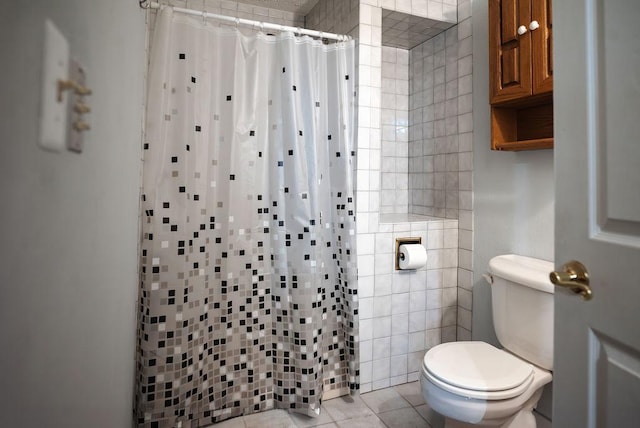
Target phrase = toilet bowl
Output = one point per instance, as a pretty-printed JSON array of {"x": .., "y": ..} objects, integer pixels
[{"x": 476, "y": 384}]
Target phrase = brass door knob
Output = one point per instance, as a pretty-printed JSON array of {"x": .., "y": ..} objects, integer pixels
[{"x": 575, "y": 277}]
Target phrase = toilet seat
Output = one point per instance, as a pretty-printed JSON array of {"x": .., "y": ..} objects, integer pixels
[{"x": 477, "y": 370}]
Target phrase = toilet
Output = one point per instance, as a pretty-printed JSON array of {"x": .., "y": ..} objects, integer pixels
[{"x": 476, "y": 384}]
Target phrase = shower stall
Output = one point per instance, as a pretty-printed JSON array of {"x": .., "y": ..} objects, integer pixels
[{"x": 248, "y": 293}]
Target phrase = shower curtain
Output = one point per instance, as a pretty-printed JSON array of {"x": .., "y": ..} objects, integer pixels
[{"x": 248, "y": 296}]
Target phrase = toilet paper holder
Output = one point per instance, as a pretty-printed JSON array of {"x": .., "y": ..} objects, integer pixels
[{"x": 404, "y": 241}]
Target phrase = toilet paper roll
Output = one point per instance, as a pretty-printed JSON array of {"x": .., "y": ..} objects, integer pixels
[{"x": 412, "y": 256}]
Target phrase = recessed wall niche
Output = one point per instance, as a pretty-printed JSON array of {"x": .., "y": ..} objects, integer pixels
[
  {"x": 405, "y": 31},
  {"x": 419, "y": 116}
]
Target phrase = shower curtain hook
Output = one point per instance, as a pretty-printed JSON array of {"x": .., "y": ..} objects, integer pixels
[
  {"x": 204, "y": 17},
  {"x": 237, "y": 22}
]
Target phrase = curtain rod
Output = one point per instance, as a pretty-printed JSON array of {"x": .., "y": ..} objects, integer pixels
[{"x": 241, "y": 21}]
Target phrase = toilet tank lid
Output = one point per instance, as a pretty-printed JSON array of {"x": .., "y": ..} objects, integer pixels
[{"x": 523, "y": 270}]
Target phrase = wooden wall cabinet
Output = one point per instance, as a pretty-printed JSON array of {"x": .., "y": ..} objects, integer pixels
[{"x": 521, "y": 74}]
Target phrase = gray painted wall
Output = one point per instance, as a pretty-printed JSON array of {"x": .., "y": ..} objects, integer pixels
[
  {"x": 513, "y": 202},
  {"x": 513, "y": 191},
  {"x": 69, "y": 223}
]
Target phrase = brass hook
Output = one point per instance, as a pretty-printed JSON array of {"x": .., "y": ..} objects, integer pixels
[
  {"x": 65, "y": 85},
  {"x": 80, "y": 126}
]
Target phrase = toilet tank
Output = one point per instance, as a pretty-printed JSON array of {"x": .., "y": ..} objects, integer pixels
[{"x": 522, "y": 298}]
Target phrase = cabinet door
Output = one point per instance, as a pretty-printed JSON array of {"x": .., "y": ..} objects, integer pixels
[
  {"x": 541, "y": 47},
  {"x": 510, "y": 53}
]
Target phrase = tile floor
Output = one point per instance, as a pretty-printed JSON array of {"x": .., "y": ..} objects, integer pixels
[{"x": 400, "y": 406}]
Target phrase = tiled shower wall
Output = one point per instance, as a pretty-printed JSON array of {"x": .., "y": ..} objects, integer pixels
[
  {"x": 440, "y": 141},
  {"x": 394, "y": 192},
  {"x": 404, "y": 313},
  {"x": 441, "y": 123}
]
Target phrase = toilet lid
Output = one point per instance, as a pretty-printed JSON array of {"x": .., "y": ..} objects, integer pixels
[{"x": 478, "y": 370}]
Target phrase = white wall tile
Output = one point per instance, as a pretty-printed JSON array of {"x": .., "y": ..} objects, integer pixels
[
  {"x": 435, "y": 239},
  {"x": 418, "y": 281},
  {"x": 433, "y": 318},
  {"x": 465, "y": 279},
  {"x": 464, "y": 318},
  {"x": 388, "y": 4},
  {"x": 381, "y": 307},
  {"x": 366, "y": 372},
  {"x": 449, "y": 334},
  {"x": 383, "y": 285},
  {"x": 418, "y": 301},
  {"x": 449, "y": 316},
  {"x": 398, "y": 380},
  {"x": 366, "y": 243},
  {"x": 366, "y": 350},
  {"x": 434, "y": 299},
  {"x": 366, "y": 328},
  {"x": 463, "y": 334},
  {"x": 366, "y": 265},
  {"x": 465, "y": 299},
  {"x": 400, "y": 344},
  {"x": 450, "y": 296},
  {"x": 365, "y": 308},
  {"x": 419, "y": 7},
  {"x": 366, "y": 286},
  {"x": 449, "y": 277},
  {"x": 416, "y": 341},
  {"x": 403, "y": 6},
  {"x": 384, "y": 264},
  {"x": 465, "y": 240},
  {"x": 400, "y": 303},
  {"x": 433, "y": 338},
  {"x": 380, "y": 384},
  {"x": 434, "y": 278},
  {"x": 417, "y": 321},
  {"x": 414, "y": 362},
  {"x": 398, "y": 365},
  {"x": 381, "y": 348},
  {"x": 402, "y": 281},
  {"x": 381, "y": 369}
]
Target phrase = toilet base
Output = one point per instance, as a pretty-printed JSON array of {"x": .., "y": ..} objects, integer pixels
[
  {"x": 512, "y": 413},
  {"x": 522, "y": 419}
]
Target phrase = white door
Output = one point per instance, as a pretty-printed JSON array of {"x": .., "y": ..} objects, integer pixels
[{"x": 596, "y": 380}]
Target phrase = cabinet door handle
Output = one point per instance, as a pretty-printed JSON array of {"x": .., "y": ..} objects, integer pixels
[
  {"x": 534, "y": 25},
  {"x": 521, "y": 30}
]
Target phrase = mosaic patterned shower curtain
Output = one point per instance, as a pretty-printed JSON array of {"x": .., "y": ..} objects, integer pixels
[{"x": 248, "y": 279}]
